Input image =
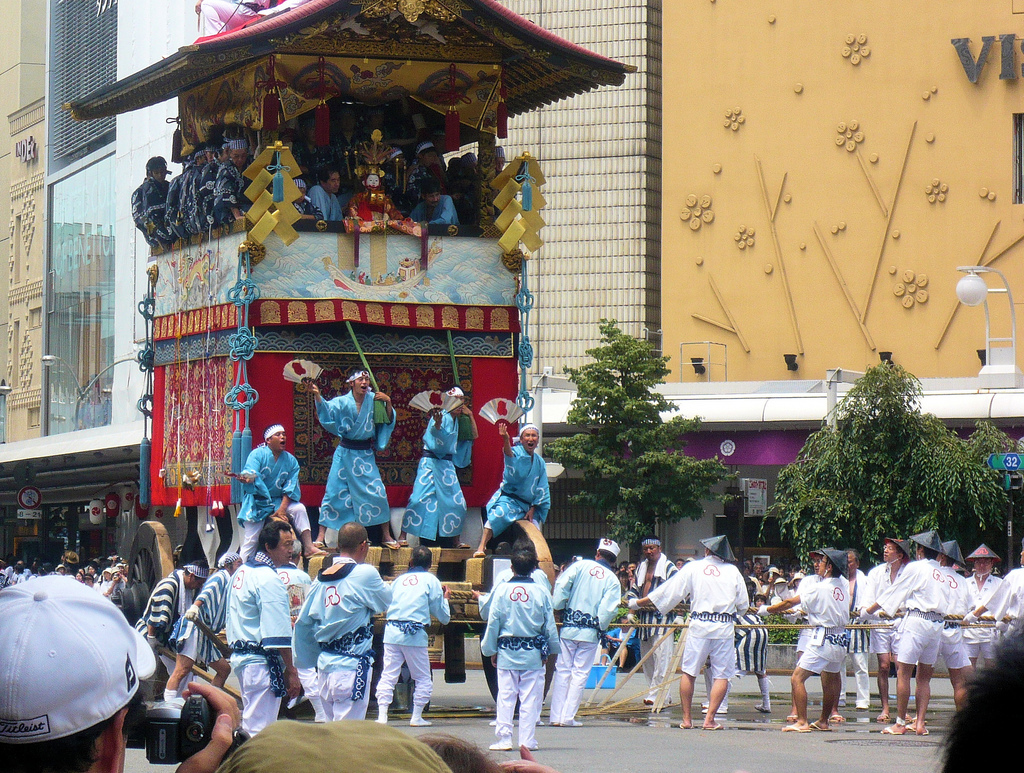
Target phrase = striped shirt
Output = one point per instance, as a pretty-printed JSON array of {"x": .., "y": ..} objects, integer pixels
[
  {"x": 213, "y": 612},
  {"x": 162, "y": 608}
]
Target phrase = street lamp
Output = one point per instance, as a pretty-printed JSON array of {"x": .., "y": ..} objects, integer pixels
[
  {"x": 1000, "y": 369},
  {"x": 49, "y": 360}
]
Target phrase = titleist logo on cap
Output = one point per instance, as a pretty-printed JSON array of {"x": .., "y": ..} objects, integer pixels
[{"x": 25, "y": 728}]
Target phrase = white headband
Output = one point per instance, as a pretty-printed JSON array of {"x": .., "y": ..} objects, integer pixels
[
  {"x": 357, "y": 374},
  {"x": 273, "y": 429}
]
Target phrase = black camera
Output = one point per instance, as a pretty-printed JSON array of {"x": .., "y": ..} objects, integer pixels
[{"x": 171, "y": 733}]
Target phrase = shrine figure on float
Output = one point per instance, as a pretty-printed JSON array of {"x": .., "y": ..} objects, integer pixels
[{"x": 373, "y": 203}]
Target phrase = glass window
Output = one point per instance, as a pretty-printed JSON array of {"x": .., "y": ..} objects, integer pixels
[{"x": 80, "y": 313}]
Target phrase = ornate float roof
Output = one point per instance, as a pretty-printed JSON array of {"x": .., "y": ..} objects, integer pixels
[{"x": 538, "y": 67}]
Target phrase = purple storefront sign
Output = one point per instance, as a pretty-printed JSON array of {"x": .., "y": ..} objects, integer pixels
[{"x": 773, "y": 447}]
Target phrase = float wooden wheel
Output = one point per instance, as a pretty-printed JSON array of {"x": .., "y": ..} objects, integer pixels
[{"x": 150, "y": 560}]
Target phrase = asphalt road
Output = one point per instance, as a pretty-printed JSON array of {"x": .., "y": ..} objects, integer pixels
[{"x": 635, "y": 742}]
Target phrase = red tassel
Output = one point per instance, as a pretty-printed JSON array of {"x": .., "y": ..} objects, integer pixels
[
  {"x": 502, "y": 110},
  {"x": 451, "y": 131},
  {"x": 271, "y": 111},
  {"x": 322, "y": 125},
  {"x": 176, "y": 146}
]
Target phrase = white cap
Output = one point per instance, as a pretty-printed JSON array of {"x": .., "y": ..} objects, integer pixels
[
  {"x": 70, "y": 660},
  {"x": 609, "y": 546}
]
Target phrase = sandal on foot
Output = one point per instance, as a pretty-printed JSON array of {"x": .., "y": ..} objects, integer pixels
[
  {"x": 715, "y": 726},
  {"x": 391, "y": 545},
  {"x": 895, "y": 730},
  {"x": 836, "y": 718},
  {"x": 820, "y": 728},
  {"x": 463, "y": 546},
  {"x": 882, "y": 718},
  {"x": 791, "y": 718},
  {"x": 479, "y": 554},
  {"x": 795, "y": 729}
]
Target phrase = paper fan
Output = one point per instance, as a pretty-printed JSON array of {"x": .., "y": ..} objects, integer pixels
[
  {"x": 451, "y": 402},
  {"x": 501, "y": 410},
  {"x": 427, "y": 401},
  {"x": 297, "y": 371}
]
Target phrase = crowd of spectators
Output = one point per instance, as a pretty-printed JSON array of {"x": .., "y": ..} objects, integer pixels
[
  {"x": 416, "y": 180},
  {"x": 105, "y": 576}
]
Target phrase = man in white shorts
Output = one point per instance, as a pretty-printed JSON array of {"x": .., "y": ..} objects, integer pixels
[
  {"x": 981, "y": 642},
  {"x": 896, "y": 556},
  {"x": 921, "y": 590},
  {"x": 827, "y": 605},
  {"x": 717, "y": 594},
  {"x": 958, "y": 602}
]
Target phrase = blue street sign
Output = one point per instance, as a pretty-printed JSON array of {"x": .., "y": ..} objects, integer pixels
[{"x": 1004, "y": 461}]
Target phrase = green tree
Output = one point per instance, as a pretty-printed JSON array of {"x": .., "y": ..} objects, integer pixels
[
  {"x": 887, "y": 469},
  {"x": 633, "y": 464}
]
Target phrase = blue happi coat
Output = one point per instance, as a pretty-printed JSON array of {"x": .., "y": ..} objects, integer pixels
[
  {"x": 437, "y": 506},
  {"x": 504, "y": 576},
  {"x": 275, "y": 478},
  {"x": 521, "y": 626},
  {"x": 257, "y": 612},
  {"x": 524, "y": 484},
  {"x": 334, "y": 631},
  {"x": 354, "y": 489},
  {"x": 416, "y": 597},
  {"x": 588, "y": 593}
]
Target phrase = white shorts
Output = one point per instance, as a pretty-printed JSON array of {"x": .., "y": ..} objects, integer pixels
[
  {"x": 919, "y": 641},
  {"x": 190, "y": 646},
  {"x": 721, "y": 651},
  {"x": 803, "y": 640},
  {"x": 825, "y": 658},
  {"x": 981, "y": 649},
  {"x": 953, "y": 650},
  {"x": 883, "y": 640}
]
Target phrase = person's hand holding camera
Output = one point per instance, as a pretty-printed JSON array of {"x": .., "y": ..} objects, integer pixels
[{"x": 229, "y": 718}]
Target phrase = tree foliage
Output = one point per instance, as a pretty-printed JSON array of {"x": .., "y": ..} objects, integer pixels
[
  {"x": 888, "y": 469},
  {"x": 633, "y": 464}
]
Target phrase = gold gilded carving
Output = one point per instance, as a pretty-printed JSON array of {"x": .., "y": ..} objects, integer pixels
[
  {"x": 911, "y": 289},
  {"x": 375, "y": 313},
  {"x": 513, "y": 261},
  {"x": 734, "y": 119},
  {"x": 499, "y": 318},
  {"x": 425, "y": 316},
  {"x": 697, "y": 211},
  {"x": 297, "y": 311},
  {"x": 834, "y": 265},
  {"x": 474, "y": 318},
  {"x": 349, "y": 310},
  {"x": 400, "y": 316},
  {"x": 323, "y": 311},
  {"x": 411, "y": 10},
  {"x": 449, "y": 317}
]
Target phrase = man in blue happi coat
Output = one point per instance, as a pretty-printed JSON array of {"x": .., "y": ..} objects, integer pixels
[
  {"x": 270, "y": 488},
  {"x": 259, "y": 629},
  {"x": 355, "y": 493},
  {"x": 417, "y": 596},
  {"x": 334, "y": 629},
  {"x": 437, "y": 506},
  {"x": 588, "y": 593},
  {"x": 524, "y": 492},
  {"x": 521, "y": 634}
]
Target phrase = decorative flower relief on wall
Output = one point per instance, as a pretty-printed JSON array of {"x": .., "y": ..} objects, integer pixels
[
  {"x": 734, "y": 118},
  {"x": 936, "y": 192},
  {"x": 697, "y": 211},
  {"x": 849, "y": 135},
  {"x": 744, "y": 238},
  {"x": 911, "y": 289},
  {"x": 856, "y": 48}
]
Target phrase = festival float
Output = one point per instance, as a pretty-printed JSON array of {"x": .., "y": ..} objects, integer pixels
[{"x": 423, "y": 307}]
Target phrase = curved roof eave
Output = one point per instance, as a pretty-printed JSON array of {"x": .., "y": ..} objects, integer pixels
[{"x": 210, "y": 57}]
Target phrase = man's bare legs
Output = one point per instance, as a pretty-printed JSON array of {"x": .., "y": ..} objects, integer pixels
[
  {"x": 884, "y": 664},
  {"x": 798, "y": 682}
]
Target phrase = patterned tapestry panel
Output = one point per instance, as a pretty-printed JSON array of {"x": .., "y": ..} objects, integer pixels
[{"x": 197, "y": 424}]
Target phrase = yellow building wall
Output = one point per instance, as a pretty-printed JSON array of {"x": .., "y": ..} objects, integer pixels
[{"x": 842, "y": 165}]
